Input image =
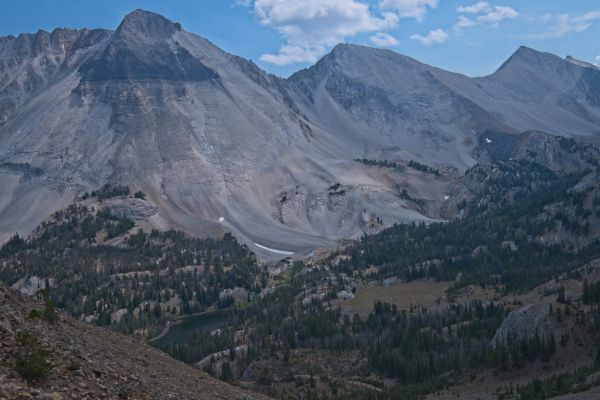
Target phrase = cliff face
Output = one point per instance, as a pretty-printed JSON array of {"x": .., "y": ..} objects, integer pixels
[{"x": 89, "y": 362}]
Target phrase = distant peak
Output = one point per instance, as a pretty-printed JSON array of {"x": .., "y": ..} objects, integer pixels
[
  {"x": 528, "y": 53},
  {"x": 341, "y": 47},
  {"x": 148, "y": 24},
  {"x": 352, "y": 51},
  {"x": 531, "y": 57},
  {"x": 526, "y": 50},
  {"x": 584, "y": 64}
]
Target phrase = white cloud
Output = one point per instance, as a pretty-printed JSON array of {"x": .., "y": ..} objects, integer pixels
[
  {"x": 476, "y": 8},
  {"x": 310, "y": 28},
  {"x": 433, "y": 37},
  {"x": 291, "y": 54},
  {"x": 464, "y": 22},
  {"x": 559, "y": 25},
  {"x": 483, "y": 13},
  {"x": 409, "y": 8},
  {"x": 597, "y": 63},
  {"x": 382, "y": 39},
  {"x": 499, "y": 13}
]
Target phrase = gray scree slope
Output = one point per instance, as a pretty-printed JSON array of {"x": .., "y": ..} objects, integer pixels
[{"x": 219, "y": 145}]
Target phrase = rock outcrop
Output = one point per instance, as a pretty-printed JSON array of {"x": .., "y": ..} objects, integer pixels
[{"x": 525, "y": 322}]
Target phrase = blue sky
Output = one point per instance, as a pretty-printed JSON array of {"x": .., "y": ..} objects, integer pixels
[{"x": 283, "y": 36}]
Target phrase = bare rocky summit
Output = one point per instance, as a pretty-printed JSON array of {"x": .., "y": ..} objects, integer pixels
[
  {"x": 219, "y": 145},
  {"x": 92, "y": 363}
]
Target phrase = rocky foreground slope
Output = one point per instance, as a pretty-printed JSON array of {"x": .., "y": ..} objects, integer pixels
[{"x": 85, "y": 362}]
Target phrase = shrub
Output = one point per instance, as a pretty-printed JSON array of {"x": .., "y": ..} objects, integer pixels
[
  {"x": 49, "y": 311},
  {"x": 31, "y": 360}
]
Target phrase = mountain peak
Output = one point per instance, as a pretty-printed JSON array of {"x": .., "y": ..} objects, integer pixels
[
  {"x": 141, "y": 49},
  {"x": 344, "y": 48},
  {"x": 148, "y": 24},
  {"x": 525, "y": 50},
  {"x": 539, "y": 62},
  {"x": 528, "y": 54},
  {"x": 581, "y": 63},
  {"x": 528, "y": 57},
  {"x": 347, "y": 52}
]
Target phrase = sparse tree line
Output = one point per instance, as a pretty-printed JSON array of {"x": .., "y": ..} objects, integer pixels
[
  {"x": 146, "y": 277},
  {"x": 499, "y": 242}
]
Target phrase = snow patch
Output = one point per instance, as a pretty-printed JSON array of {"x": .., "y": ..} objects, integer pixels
[
  {"x": 488, "y": 141},
  {"x": 285, "y": 253}
]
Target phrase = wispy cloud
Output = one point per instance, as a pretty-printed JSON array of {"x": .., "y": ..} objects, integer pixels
[
  {"x": 310, "y": 28},
  {"x": 383, "y": 39},
  {"x": 499, "y": 13},
  {"x": 433, "y": 37},
  {"x": 483, "y": 13},
  {"x": 560, "y": 25},
  {"x": 476, "y": 8},
  {"x": 409, "y": 8},
  {"x": 464, "y": 22}
]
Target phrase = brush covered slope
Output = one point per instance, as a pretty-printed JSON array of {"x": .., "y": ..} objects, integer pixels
[
  {"x": 221, "y": 146},
  {"x": 46, "y": 354}
]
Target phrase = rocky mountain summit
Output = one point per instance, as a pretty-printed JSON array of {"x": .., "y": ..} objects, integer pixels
[
  {"x": 68, "y": 359},
  {"x": 287, "y": 165}
]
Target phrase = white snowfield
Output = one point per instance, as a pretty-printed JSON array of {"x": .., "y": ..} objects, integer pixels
[{"x": 282, "y": 252}]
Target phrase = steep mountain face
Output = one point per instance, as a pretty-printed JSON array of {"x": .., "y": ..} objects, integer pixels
[
  {"x": 30, "y": 63},
  {"x": 214, "y": 141},
  {"x": 32, "y": 66},
  {"x": 393, "y": 106},
  {"x": 219, "y": 145},
  {"x": 401, "y": 106},
  {"x": 140, "y": 49},
  {"x": 535, "y": 90}
]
